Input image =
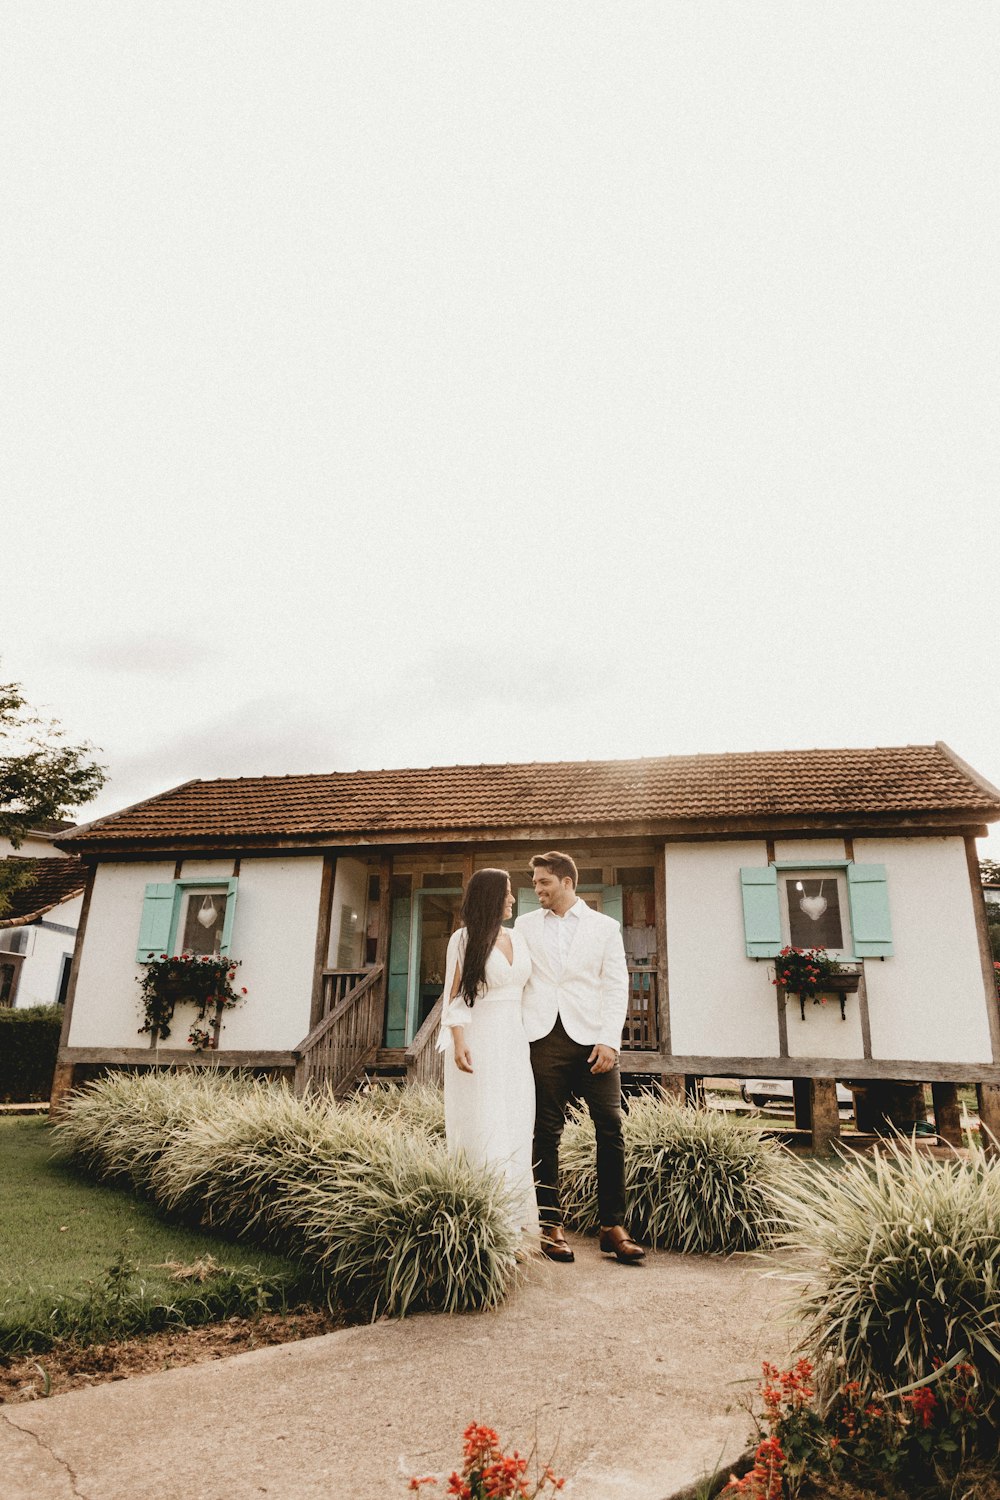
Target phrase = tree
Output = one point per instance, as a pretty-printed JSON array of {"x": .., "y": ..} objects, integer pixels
[{"x": 41, "y": 777}]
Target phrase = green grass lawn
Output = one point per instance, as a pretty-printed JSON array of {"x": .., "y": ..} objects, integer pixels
[{"x": 60, "y": 1232}]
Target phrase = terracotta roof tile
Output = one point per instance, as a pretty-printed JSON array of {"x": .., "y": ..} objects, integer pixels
[
  {"x": 913, "y": 779},
  {"x": 52, "y": 882}
]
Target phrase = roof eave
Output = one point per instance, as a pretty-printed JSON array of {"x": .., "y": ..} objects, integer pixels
[{"x": 924, "y": 820}]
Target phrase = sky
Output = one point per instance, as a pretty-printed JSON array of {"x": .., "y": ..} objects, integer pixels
[{"x": 423, "y": 383}]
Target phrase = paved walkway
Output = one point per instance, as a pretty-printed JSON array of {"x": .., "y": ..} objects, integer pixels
[{"x": 627, "y": 1376}]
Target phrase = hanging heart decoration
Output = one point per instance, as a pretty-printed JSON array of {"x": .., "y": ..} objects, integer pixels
[{"x": 813, "y": 906}]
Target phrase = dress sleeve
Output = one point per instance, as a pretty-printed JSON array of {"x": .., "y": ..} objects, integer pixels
[{"x": 454, "y": 1012}]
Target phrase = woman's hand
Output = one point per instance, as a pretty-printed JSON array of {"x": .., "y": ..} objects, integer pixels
[{"x": 463, "y": 1057}]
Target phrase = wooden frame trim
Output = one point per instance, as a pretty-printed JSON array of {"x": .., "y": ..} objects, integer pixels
[
  {"x": 864, "y": 1015},
  {"x": 892, "y": 1069},
  {"x": 173, "y": 1057},
  {"x": 985, "y": 951},
  {"x": 324, "y": 922},
  {"x": 74, "y": 973},
  {"x": 782, "y": 995},
  {"x": 662, "y": 960},
  {"x": 942, "y": 822}
]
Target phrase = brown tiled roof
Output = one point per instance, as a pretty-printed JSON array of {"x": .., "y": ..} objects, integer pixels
[
  {"x": 721, "y": 789},
  {"x": 51, "y": 882}
]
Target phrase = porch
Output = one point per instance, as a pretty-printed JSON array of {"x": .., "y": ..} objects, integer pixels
[{"x": 385, "y": 925}]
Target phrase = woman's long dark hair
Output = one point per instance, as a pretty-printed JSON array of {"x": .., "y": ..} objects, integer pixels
[{"x": 482, "y": 914}]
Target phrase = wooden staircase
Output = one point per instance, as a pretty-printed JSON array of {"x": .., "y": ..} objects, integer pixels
[{"x": 344, "y": 1048}]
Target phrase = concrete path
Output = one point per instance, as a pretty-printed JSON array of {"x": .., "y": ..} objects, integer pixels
[{"x": 628, "y": 1379}]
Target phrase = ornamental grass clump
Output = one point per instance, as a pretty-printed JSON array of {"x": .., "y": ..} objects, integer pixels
[
  {"x": 416, "y": 1106},
  {"x": 118, "y": 1126},
  {"x": 408, "y": 1228},
  {"x": 900, "y": 1267},
  {"x": 695, "y": 1180}
]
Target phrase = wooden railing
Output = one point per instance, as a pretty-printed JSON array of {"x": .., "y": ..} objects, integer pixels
[
  {"x": 341, "y": 1044},
  {"x": 641, "y": 1032},
  {"x": 424, "y": 1063},
  {"x": 336, "y": 984}
]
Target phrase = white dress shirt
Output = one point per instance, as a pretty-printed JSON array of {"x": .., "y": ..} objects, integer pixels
[{"x": 559, "y": 934}]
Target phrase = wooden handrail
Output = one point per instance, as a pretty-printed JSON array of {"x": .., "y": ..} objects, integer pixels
[
  {"x": 424, "y": 1063},
  {"x": 341, "y": 1009}
]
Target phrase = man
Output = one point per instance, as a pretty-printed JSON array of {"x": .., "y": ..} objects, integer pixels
[{"x": 574, "y": 1009}]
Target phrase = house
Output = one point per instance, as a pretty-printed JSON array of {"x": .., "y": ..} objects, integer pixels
[
  {"x": 338, "y": 893},
  {"x": 38, "y": 930}
]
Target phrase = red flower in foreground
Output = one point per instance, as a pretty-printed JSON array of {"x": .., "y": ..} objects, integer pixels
[{"x": 924, "y": 1404}]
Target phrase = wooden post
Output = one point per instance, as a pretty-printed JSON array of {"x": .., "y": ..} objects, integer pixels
[
  {"x": 802, "y": 1103},
  {"x": 672, "y": 1085},
  {"x": 62, "y": 1084},
  {"x": 947, "y": 1113},
  {"x": 321, "y": 957},
  {"x": 825, "y": 1115},
  {"x": 988, "y": 1096}
]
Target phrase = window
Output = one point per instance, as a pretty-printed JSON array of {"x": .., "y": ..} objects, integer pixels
[
  {"x": 814, "y": 909},
  {"x": 841, "y": 906},
  {"x": 201, "y": 918},
  {"x": 192, "y": 916}
]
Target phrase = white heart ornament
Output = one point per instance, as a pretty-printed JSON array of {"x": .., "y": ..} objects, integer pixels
[{"x": 813, "y": 906}]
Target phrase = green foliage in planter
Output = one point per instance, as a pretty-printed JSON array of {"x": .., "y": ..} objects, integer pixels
[
  {"x": 695, "y": 1180},
  {"x": 900, "y": 1266},
  {"x": 392, "y": 1221},
  {"x": 172, "y": 980},
  {"x": 29, "y": 1041}
]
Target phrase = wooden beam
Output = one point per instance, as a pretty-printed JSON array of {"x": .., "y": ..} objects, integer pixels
[
  {"x": 662, "y": 960},
  {"x": 902, "y": 1070},
  {"x": 985, "y": 950},
  {"x": 324, "y": 921},
  {"x": 988, "y": 1099},
  {"x": 174, "y": 1057},
  {"x": 384, "y": 911},
  {"x": 74, "y": 968},
  {"x": 971, "y": 821}
]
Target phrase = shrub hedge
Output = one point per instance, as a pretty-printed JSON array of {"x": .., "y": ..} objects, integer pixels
[
  {"x": 390, "y": 1219},
  {"x": 29, "y": 1041}
]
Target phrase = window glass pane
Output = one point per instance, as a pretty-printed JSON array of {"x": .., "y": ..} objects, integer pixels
[
  {"x": 203, "y": 922},
  {"x": 814, "y": 911}
]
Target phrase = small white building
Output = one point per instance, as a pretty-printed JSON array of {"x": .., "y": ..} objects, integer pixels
[
  {"x": 338, "y": 893},
  {"x": 38, "y": 931}
]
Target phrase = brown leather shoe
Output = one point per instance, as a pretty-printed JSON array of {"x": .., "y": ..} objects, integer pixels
[
  {"x": 554, "y": 1244},
  {"x": 616, "y": 1242}
]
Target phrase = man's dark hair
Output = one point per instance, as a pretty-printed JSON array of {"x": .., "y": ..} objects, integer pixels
[{"x": 560, "y": 864}]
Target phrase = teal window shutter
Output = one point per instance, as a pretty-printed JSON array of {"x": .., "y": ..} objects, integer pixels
[
  {"x": 871, "y": 926},
  {"x": 761, "y": 917},
  {"x": 229, "y": 918},
  {"x": 526, "y": 899},
  {"x": 613, "y": 904},
  {"x": 156, "y": 927}
]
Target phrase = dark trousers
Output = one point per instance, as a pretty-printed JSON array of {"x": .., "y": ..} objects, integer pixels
[{"x": 561, "y": 1074}]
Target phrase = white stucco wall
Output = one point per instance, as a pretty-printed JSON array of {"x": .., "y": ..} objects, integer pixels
[
  {"x": 721, "y": 1003},
  {"x": 42, "y": 968},
  {"x": 926, "y": 1002},
  {"x": 274, "y": 935}
]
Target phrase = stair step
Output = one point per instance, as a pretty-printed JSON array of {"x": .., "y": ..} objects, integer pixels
[{"x": 391, "y": 1057}]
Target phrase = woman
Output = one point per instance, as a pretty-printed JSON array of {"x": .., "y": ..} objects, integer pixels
[{"x": 489, "y": 1089}]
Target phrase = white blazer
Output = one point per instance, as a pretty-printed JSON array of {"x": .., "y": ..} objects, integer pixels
[{"x": 591, "y": 993}]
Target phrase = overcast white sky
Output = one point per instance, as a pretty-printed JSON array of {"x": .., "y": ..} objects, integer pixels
[{"x": 409, "y": 383}]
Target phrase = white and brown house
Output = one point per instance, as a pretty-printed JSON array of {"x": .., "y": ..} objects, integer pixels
[
  {"x": 39, "y": 922},
  {"x": 338, "y": 893}
]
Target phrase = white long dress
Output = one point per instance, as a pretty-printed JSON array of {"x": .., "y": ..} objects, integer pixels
[{"x": 490, "y": 1113}]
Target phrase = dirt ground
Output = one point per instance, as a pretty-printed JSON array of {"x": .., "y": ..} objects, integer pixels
[{"x": 70, "y": 1367}]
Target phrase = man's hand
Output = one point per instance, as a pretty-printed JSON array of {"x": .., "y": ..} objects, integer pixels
[
  {"x": 463, "y": 1057},
  {"x": 602, "y": 1059}
]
